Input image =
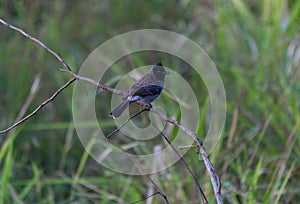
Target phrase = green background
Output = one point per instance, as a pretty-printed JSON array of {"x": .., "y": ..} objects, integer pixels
[{"x": 256, "y": 48}]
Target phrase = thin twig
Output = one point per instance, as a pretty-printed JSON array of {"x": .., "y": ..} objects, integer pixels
[
  {"x": 204, "y": 199},
  {"x": 96, "y": 83},
  {"x": 39, "y": 107},
  {"x": 36, "y": 41},
  {"x": 186, "y": 146},
  {"x": 215, "y": 180},
  {"x": 126, "y": 121},
  {"x": 151, "y": 196},
  {"x": 158, "y": 189}
]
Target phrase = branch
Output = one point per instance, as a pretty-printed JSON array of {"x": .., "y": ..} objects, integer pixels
[
  {"x": 61, "y": 60},
  {"x": 213, "y": 176},
  {"x": 215, "y": 180},
  {"x": 159, "y": 193},
  {"x": 98, "y": 84},
  {"x": 39, "y": 107},
  {"x": 204, "y": 199},
  {"x": 36, "y": 41}
]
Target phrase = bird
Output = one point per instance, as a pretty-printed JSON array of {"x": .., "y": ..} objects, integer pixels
[{"x": 145, "y": 90}]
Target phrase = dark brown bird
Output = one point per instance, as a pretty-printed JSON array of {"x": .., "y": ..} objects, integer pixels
[{"x": 146, "y": 90}]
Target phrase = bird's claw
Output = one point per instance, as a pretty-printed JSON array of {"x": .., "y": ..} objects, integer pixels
[{"x": 148, "y": 106}]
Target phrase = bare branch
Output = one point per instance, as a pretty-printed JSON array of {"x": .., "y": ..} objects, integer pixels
[
  {"x": 165, "y": 197},
  {"x": 36, "y": 41},
  {"x": 126, "y": 121},
  {"x": 92, "y": 81},
  {"x": 204, "y": 199},
  {"x": 40, "y": 106},
  {"x": 215, "y": 180}
]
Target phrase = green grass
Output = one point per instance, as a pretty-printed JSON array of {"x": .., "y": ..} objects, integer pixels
[{"x": 254, "y": 46}]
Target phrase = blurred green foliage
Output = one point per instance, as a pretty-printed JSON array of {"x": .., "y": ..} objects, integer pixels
[{"x": 256, "y": 48}]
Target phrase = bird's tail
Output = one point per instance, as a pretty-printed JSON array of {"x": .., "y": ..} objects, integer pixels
[{"x": 117, "y": 111}]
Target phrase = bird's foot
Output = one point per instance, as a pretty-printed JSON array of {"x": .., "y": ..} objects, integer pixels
[{"x": 148, "y": 106}]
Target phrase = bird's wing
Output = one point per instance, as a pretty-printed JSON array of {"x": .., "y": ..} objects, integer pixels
[{"x": 148, "y": 90}]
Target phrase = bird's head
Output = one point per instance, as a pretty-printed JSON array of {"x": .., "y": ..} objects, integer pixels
[{"x": 159, "y": 71}]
